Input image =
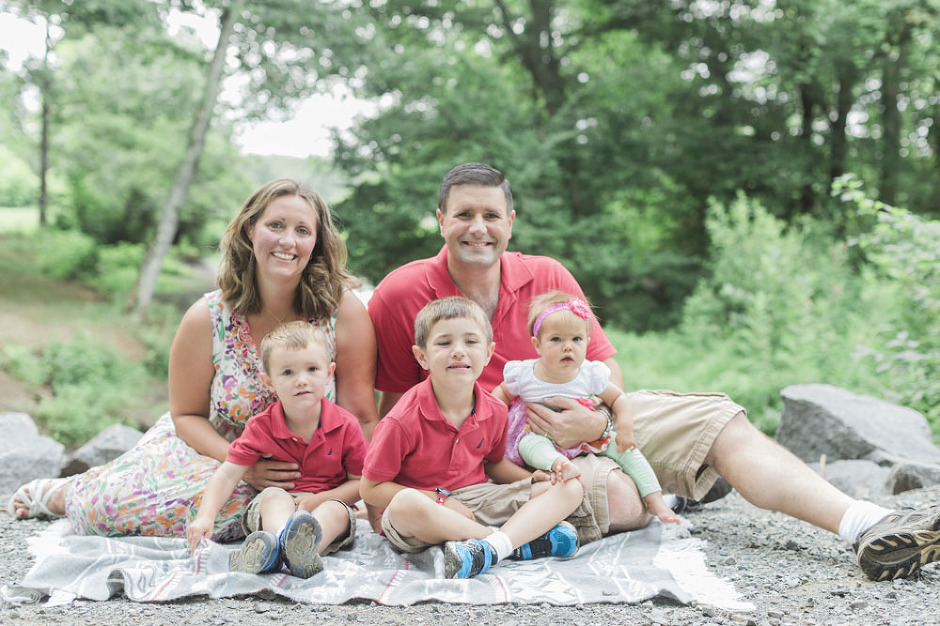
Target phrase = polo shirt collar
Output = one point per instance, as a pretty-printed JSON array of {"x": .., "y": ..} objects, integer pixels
[
  {"x": 431, "y": 411},
  {"x": 279, "y": 429},
  {"x": 513, "y": 274}
]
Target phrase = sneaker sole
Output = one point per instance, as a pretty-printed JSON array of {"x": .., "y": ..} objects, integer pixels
[
  {"x": 452, "y": 561},
  {"x": 257, "y": 555},
  {"x": 300, "y": 547},
  {"x": 901, "y": 554}
]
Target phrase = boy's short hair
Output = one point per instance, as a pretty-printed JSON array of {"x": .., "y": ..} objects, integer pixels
[
  {"x": 295, "y": 335},
  {"x": 453, "y": 307},
  {"x": 544, "y": 300}
]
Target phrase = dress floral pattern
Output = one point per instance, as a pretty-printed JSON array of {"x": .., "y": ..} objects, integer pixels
[{"x": 155, "y": 488}]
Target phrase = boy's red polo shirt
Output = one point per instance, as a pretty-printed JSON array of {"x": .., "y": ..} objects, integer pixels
[
  {"x": 337, "y": 447},
  {"x": 415, "y": 446}
]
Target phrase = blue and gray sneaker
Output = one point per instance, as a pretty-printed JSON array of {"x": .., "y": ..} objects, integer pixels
[
  {"x": 259, "y": 554},
  {"x": 463, "y": 559},
  {"x": 560, "y": 541},
  {"x": 299, "y": 542}
]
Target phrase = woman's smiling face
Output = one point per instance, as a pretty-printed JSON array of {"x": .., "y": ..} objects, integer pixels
[{"x": 284, "y": 236}]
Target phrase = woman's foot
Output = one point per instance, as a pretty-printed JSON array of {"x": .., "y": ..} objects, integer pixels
[{"x": 42, "y": 498}]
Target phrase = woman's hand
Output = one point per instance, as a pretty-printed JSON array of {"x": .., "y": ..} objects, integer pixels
[
  {"x": 268, "y": 473},
  {"x": 568, "y": 427}
]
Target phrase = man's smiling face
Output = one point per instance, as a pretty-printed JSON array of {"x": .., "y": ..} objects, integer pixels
[{"x": 477, "y": 224}]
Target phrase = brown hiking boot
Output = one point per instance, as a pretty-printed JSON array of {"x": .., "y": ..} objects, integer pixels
[{"x": 900, "y": 543}]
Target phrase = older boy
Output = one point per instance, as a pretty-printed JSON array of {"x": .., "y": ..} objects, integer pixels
[
  {"x": 431, "y": 455},
  {"x": 304, "y": 427}
]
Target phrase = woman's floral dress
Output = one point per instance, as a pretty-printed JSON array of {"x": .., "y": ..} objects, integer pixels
[{"x": 155, "y": 488}]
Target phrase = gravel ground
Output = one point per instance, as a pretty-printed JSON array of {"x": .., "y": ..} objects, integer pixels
[{"x": 791, "y": 573}]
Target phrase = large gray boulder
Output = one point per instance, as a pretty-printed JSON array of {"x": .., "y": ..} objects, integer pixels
[
  {"x": 107, "y": 445},
  {"x": 25, "y": 454},
  {"x": 822, "y": 420},
  {"x": 863, "y": 480}
]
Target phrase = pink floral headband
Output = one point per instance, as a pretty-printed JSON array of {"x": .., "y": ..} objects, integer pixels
[{"x": 576, "y": 305}]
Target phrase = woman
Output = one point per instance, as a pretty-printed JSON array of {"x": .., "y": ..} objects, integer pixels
[{"x": 283, "y": 260}]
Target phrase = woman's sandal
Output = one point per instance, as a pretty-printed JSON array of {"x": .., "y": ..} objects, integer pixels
[{"x": 35, "y": 495}]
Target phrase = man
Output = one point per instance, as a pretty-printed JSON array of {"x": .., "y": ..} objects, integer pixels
[{"x": 689, "y": 439}]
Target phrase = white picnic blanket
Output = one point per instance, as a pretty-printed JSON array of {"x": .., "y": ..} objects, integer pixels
[{"x": 658, "y": 561}]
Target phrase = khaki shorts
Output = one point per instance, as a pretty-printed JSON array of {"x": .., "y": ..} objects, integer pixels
[
  {"x": 674, "y": 431},
  {"x": 490, "y": 503},
  {"x": 251, "y": 521}
]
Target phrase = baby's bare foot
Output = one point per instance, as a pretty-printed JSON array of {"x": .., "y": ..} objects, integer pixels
[{"x": 565, "y": 469}]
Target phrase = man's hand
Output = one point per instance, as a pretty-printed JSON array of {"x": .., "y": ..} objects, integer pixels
[
  {"x": 268, "y": 473},
  {"x": 568, "y": 427}
]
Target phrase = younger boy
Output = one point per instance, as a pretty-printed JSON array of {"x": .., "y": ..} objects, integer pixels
[
  {"x": 431, "y": 455},
  {"x": 303, "y": 427}
]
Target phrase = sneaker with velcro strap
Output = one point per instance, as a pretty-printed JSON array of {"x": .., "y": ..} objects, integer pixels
[
  {"x": 561, "y": 541},
  {"x": 465, "y": 559}
]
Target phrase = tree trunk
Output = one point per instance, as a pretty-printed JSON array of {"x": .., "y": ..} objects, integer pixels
[
  {"x": 808, "y": 105},
  {"x": 891, "y": 116},
  {"x": 169, "y": 215},
  {"x": 535, "y": 52},
  {"x": 45, "y": 96}
]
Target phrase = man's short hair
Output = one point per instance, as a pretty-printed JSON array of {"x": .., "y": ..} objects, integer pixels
[
  {"x": 474, "y": 174},
  {"x": 295, "y": 335},
  {"x": 453, "y": 307}
]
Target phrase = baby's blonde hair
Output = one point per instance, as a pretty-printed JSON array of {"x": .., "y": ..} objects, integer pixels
[
  {"x": 295, "y": 335},
  {"x": 544, "y": 300}
]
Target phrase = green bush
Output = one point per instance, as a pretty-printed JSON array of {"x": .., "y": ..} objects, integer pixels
[
  {"x": 784, "y": 306},
  {"x": 117, "y": 269},
  {"x": 19, "y": 186},
  {"x": 89, "y": 385},
  {"x": 65, "y": 254},
  {"x": 902, "y": 251}
]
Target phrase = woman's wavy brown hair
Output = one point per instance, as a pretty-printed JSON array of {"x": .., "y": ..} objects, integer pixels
[{"x": 325, "y": 277}]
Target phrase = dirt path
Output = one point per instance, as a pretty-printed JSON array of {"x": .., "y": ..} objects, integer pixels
[{"x": 35, "y": 311}]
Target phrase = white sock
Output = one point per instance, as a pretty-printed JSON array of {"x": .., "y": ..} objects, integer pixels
[
  {"x": 858, "y": 518},
  {"x": 671, "y": 500},
  {"x": 501, "y": 543}
]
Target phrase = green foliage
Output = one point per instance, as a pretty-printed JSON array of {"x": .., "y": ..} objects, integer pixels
[
  {"x": 65, "y": 254},
  {"x": 117, "y": 267},
  {"x": 87, "y": 385},
  {"x": 789, "y": 306},
  {"x": 21, "y": 220},
  {"x": 903, "y": 253},
  {"x": 19, "y": 186}
]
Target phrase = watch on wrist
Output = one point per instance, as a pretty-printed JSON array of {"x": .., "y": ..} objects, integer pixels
[{"x": 442, "y": 494}]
